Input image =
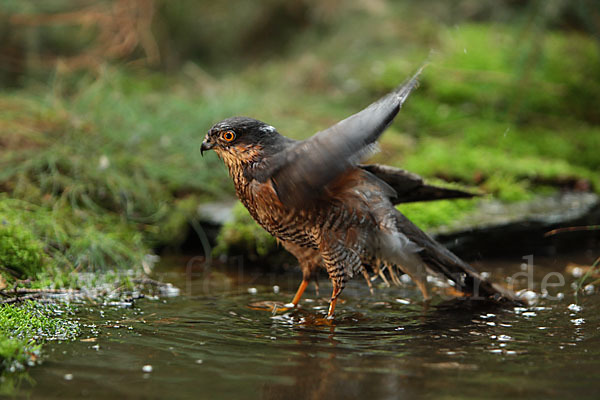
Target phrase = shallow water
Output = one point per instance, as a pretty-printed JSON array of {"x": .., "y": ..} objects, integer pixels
[{"x": 207, "y": 343}]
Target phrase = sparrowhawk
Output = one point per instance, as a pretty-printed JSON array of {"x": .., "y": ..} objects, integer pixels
[{"x": 330, "y": 211}]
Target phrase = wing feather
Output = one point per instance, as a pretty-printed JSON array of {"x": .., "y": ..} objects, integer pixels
[
  {"x": 300, "y": 172},
  {"x": 410, "y": 187}
]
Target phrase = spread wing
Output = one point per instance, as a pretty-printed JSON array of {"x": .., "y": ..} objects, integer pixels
[
  {"x": 410, "y": 187},
  {"x": 301, "y": 171}
]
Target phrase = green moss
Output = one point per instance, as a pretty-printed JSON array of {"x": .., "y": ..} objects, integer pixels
[
  {"x": 21, "y": 253},
  {"x": 439, "y": 213},
  {"x": 24, "y": 327},
  {"x": 74, "y": 239}
]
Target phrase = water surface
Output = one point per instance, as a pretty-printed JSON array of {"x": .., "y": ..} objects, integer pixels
[{"x": 207, "y": 343}]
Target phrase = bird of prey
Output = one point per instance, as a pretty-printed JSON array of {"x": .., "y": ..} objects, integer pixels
[{"x": 330, "y": 211}]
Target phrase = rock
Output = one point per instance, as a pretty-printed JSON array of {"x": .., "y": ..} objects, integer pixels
[
  {"x": 217, "y": 213},
  {"x": 499, "y": 229}
]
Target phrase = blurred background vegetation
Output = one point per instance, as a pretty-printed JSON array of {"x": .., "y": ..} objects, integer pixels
[{"x": 104, "y": 104}]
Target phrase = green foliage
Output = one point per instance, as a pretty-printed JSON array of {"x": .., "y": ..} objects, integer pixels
[
  {"x": 72, "y": 240},
  {"x": 24, "y": 327},
  {"x": 97, "y": 178}
]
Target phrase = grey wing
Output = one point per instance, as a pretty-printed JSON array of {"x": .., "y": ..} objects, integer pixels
[
  {"x": 410, "y": 187},
  {"x": 300, "y": 172}
]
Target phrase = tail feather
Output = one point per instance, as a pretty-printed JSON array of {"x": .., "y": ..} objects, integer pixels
[{"x": 441, "y": 260}]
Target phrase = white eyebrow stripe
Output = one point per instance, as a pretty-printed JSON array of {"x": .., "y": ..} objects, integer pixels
[{"x": 267, "y": 128}]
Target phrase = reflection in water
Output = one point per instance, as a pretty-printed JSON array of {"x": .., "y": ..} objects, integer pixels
[
  {"x": 389, "y": 360},
  {"x": 389, "y": 345}
]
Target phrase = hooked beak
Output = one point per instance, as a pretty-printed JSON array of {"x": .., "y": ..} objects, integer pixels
[{"x": 206, "y": 145}]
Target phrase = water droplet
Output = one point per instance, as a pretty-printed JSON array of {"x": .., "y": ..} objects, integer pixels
[
  {"x": 529, "y": 296},
  {"x": 574, "y": 307},
  {"x": 577, "y": 272}
]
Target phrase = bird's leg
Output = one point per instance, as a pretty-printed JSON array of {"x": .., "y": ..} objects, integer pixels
[
  {"x": 338, "y": 260},
  {"x": 300, "y": 292},
  {"x": 418, "y": 274},
  {"x": 334, "y": 296},
  {"x": 422, "y": 285},
  {"x": 331, "y": 308},
  {"x": 367, "y": 278}
]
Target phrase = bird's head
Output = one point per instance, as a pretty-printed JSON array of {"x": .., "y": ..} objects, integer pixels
[{"x": 240, "y": 141}]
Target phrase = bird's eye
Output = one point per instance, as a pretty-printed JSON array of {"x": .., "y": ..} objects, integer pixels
[{"x": 228, "y": 136}]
